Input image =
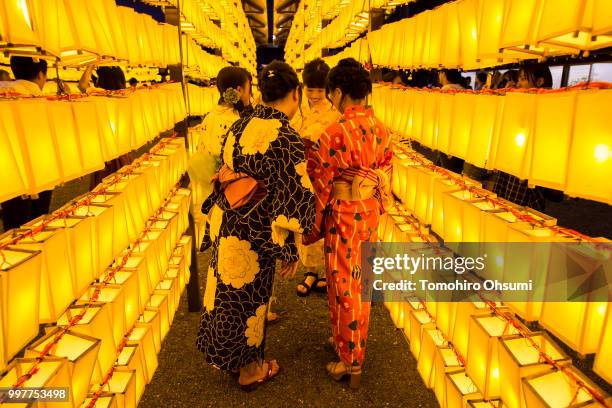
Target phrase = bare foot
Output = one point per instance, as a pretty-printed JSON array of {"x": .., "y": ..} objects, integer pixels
[{"x": 254, "y": 372}]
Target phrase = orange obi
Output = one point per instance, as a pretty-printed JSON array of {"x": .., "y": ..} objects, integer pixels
[
  {"x": 238, "y": 188},
  {"x": 363, "y": 183}
]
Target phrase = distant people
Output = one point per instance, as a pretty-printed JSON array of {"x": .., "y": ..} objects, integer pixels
[
  {"x": 133, "y": 83},
  {"x": 4, "y": 76},
  {"x": 394, "y": 77},
  {"x": 481, "y": 81},
  {"x": 450, "y": 79},
  {"x": 30, "y": 79},
  {"x": 467, "y": 82},
  {"x": 509, "y": 79},
  {"x": 534, "y": 75}
]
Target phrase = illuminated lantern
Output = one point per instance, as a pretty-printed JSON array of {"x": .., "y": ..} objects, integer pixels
[
  {"x": 444, "y": 129},
  {"x": 19, "y": 297},
  {"x": 406, "y": 30},
  {"x": 150, "y": 318},
  {"x": 518, "y": 25},
  {"x": 417, "y": 115},
  {"x": 552, "y": 138},
  {"x": 80, "y": 251},
  {"x": 450, "y": 52},
  {"x": 461, "y": 324},
  {"x": 515, "y": 134},
  {"x": 424, "y": 194},
  {"x": 570, "y": 24},
  {"x": 159, "y": 303},
  {"x": 102, "y": 229},
  {"x": 468, "y": 29},
  {"x": 436, "y": 30},
  {"x": 123, "y": 122},
  {"x": 39, "y": 148},
  {"x": 114, "y": 296},
  {"x": 453, "y": 204},
  {"x": 123, "y": 385},
  {"x": 432, "y": 339},
  {"x": 406, "y": 107},
  {"x": 602, "y": 358},
  {"x": 554, "y": 389},
  {"x": 168, "y": 220},
  {"x": 55, "y": 267},
  {"x": 158, "y": 239},
  {"x": 486, "y": 111},
  {"x": 138, "y": 266},
  {"x": 577, "y": 319},
  {"x": 52, "y": 372},
  {"x": 485, "y": 404},
  {"x": 591, "y": 148},
  {"x": 64, "y": 132},
  {"x": 482, "y": 356},
  {"x": 16, "y": 26},
  {"x": 148, "y": 250},
  {"x": 120, "y": 232},
  {"x": 602, "y": 16},
  {"x": 129, "y": 281},
  {"x": 445, "y": 361},
  {"x": 440, "y": 187},
  {"x": 81, "y": 352},
  {"x": 490, "y": 30},
  {"x": 419, "y": 322},
  {"x": 169, "y": 287},
  {"x": 519, "y": 359},
  {"x": 430, "y": 110},
  {"x": 460, "y": 389},
  {"x": 88, "y": 129},
  {"x": 142, "y": 335},
  {"x": 177, "y": 269},
  {"x": 131, "y": 358},
  {"x": 11, "y": 159},
  {"x": 495, "y": 226},
  {"x": 95, "y": 322},
  {"x": 107, "y": 116}
]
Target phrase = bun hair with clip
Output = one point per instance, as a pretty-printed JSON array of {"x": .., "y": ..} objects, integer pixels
[
  {"x": 351, "y": 77},
  {"x": 228, "y": 81},
  {"x": 276, "y": 81}
]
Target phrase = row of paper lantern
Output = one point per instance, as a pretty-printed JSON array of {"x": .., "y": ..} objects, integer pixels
[
  {"x": 495, "y": 352},
  {"x": 198, "y": 61},
  {"x": 472, "y": 225},
  {"x": 560, "y": 140},
  {"x": 472, "y": 34},
  {"x": 201, "y": 100},
  {"x": 145, "y": 290},
  {"x": 78, "y": 32},
  {"x": 76, "y": 249},
  {"x": 70, "y": 139},
  {"x": 358, "y": 50}
]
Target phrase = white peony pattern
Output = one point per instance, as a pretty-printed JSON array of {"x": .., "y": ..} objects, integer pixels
[{"x": 237, "y": 262}]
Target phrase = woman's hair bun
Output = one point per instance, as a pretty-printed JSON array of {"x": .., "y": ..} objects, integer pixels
[
  {"x": 351, "y": 77},
  {"x": 276, "y": 80}
]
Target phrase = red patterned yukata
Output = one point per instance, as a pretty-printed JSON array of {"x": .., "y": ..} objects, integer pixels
[{"x": 357, "y": 143}]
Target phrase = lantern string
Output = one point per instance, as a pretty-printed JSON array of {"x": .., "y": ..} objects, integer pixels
[
  {"x": 503, "y": 204},
  {"x": 109, "y": 277}
]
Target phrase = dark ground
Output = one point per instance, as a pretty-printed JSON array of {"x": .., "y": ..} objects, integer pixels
[{"x": 390, "y": 379}]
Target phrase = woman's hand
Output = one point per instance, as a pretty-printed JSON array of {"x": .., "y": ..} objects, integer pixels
[{"x": 288, "y": 269}]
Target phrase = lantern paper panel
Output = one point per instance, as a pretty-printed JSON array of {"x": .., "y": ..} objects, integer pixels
[{"x": 603, "y": 357}]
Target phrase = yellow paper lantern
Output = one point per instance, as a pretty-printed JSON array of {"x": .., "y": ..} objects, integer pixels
[
  {"x": 431, "y": 340},
  {"x": 123, "y": 385},
  {"x": 56, "y": 289},
  {"x": 485, "y": 403},
  {"x": 169, "y": 287},
  {"x": 554, "y": 389},
  {"x": 482, "y": 358},
  {"x": 16, "y": 24},
  {"x": 519, "y": 359},
  {"x": 159, "y": 303},
  {"x": 80, "y": 249},
  {"x": 11, "y": 158},
  {"x": 513, "y": 149},
  {"x": 114, "y": 296},
  {"x": 419, "y": 322},
  {"x": 518, "y": 24},
  {"x": 177, "y": 271},
  {"x": 446, "y": 104},
  {"x": 602, "y": 358},
  {"x": 460, "y": 389},
  {"x": 461, "y": 324},
  {"x": 450, "y": 54},
  {"x": 406, "y": 30},
  {"x": 486, "y": 112},
  {"x": 445, "y": 361},
  {"x": 590, "y": 156},
  {"x": 151, "y": 318},
  {"x": 552, "y": 138},
  {"x": 81, "y": 352},
  {"x": 120, "y": 231},
  {"x": 417, "y": 115},
  {"x": 129, "y": 281},
  {"x": 468, "y": 26},
  {"x": 602, "y": 16},
  {"x": 105, "y": 400},
  {"x": 96, "y": 322},
  {"x": 131, "y": 358},
  {"x": 430, "y": 110},
  {"x": 86, "y": 120},
  {"x": 63, "y": 130},
  {"x": 142, "y": 335},
  {"x": 138, "y": 266},
  {"x": 19, "y": 297}
]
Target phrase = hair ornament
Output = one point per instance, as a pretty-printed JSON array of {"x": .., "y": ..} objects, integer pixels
[{"x": 231, "y": 96}]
